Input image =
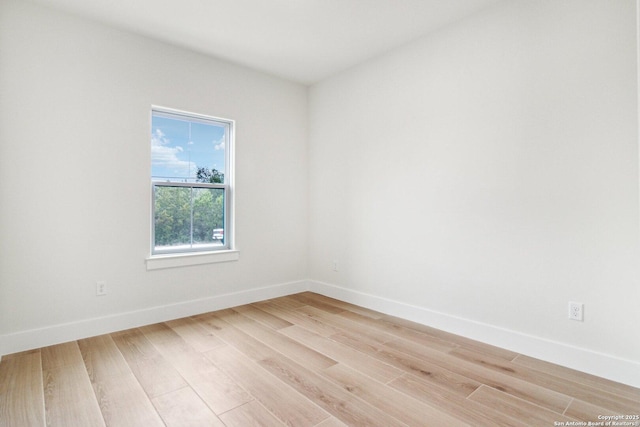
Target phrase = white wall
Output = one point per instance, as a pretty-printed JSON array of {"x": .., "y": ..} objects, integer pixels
[
  {"x": 484, "y": 175},
  {"x": 489, "y": 172},
  {"x": 75, "y": 102}
]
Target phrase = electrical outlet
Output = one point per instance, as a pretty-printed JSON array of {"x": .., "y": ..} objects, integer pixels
[
  {"x": 101, "y": 288},
  {"x": 336, "y": 265},
  {"x": 576, "y": 311}
]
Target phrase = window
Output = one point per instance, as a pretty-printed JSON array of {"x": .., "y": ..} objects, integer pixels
[{"x": 191, "y": 173}]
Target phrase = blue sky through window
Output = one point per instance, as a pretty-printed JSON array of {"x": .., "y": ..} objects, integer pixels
[{"x": 179, "y": 147}]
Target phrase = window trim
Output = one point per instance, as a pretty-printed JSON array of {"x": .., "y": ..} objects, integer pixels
[
  {"x": 228, "y": 252},
  {"x": 185, "y": 259}
]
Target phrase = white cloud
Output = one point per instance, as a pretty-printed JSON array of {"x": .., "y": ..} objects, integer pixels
[
  {"x": 164, "y": 155},
  {"x": 219, "y": 145}
]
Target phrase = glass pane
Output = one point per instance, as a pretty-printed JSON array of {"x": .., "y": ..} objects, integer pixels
[
  {"x": 188, "y": 218},
  {"x": 187, "y": 149},
  {"x": 172, "y": 216},
  {"x": 208, "y": 216}
]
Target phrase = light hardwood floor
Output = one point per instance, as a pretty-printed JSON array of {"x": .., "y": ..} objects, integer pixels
[{"x": 301, "y": 360}]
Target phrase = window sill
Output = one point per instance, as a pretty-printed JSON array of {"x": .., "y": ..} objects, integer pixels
[{"x": 157, "y": 262}]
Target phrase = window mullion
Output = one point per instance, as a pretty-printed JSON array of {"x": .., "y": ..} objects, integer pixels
[{"x": 191, "y": 220}]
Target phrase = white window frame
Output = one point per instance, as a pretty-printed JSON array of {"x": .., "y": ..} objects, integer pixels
[{"x": 166, "y": 258}]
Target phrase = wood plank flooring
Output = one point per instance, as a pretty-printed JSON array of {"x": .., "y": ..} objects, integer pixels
[{"x": 301, "y": 360}]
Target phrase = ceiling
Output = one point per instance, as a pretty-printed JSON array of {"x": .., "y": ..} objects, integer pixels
[{"x": 300, "y": 40}]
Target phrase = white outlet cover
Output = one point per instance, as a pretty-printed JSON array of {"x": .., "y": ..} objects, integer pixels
[
  {"x": 101, "y": 288},
  {"x": 576, "y": 311}
]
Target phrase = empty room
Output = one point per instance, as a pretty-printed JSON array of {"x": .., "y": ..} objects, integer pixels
[{"x": 319, "y": 213}]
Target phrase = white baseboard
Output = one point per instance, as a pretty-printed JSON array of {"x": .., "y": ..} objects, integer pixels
[
  {"x": 600, "y": 364},
  {"x": 56, "y": 334},
  {"x": 589, "y": 361}
]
